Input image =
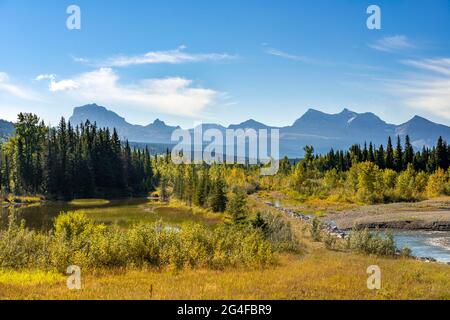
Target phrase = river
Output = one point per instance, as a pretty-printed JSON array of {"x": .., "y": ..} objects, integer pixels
[
  {"x": 430, "y": 244},
  {"x": 424, "y": 244}
]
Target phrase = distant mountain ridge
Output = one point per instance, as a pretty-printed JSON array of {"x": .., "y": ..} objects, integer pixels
[
  {"x": 6, "y": 129},
  {"x": 156, "y": 132},
  {"x": 322, "y": 130}
]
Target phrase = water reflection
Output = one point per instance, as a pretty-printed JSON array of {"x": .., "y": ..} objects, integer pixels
[{"x": 41, "y": 216}]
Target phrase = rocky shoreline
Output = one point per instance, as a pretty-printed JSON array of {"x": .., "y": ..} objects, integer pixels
[
  {"x": 407, "y": 225},
  {"x": 331, "y": 228}
]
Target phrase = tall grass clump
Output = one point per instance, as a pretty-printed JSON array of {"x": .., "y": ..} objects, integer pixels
[
  {"x": 316, "y": 229},
  {"x": 21, "y": 248}
]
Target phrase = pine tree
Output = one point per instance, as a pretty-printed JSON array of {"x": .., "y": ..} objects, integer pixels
[
  {"x": 218, "y": 198},
  {"x": 398, "y": 156},
  {"x": 5, "y": 170},
  {"x": 371, "y": 155},
  {"x": 164, "y": 194},
  {"x": 408, "y": 156},
  {"x": 259, "y": 223},
  {"x": 285, "y": 166},
  {"x": 117, "y": 163},
  {"x": 380, "y": 160},
  {"x": 237, "y": 208},
  {"x": 148, "y": 171},
  {"x": 201, "y": 192},
  {"x": 365, "y": 154},
  {"x": 389, "y": 155},
  {"x": 441, "y": 154},
  {"x": 431, "y": 164}
]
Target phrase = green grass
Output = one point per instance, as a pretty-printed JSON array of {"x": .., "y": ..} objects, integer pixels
[
  {"x": 11, "y": 199},
  {"x": 23, "y": 278},
  {"x": 89, "y": 202},
  {"x": 174, "y": 214}
]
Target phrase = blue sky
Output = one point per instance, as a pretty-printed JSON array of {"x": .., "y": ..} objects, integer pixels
[{"x": 226, "y": 61}]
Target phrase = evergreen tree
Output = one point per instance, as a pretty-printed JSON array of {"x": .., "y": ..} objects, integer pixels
[
  {"x": 398, "y": 156},
  {"x": 218, "y": 198},
  {"x": 389, "y": 161},
  {"x": 148, "y": 171},
  {"x": 29, "y": 142},
  {"x": 259, "y": 223},
  {"x": 67, "y": 162},
  {"x": 441, "y": 154},
  {"x": 371, "y": 154},
  {"x": 380, "y": 158},
  {"x": 237, "y": 208},
  {"x": 164, "y": 194},
  {"x": 285, "y": 165},
  {"x": 432, "y": 161},
  {"x": 202, "y": 190},
  {"x": 5, "y": 171},
  {"x": 365, "y": 153},
  {"x": 408, "y": 156}
]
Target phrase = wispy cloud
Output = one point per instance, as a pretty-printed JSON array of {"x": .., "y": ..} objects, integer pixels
[
  {"x": 174, "y": 95},
  {"x": 428, "y": 90},
  {"x": 15, "y": 90},
  {"x": 55, "y": 86},
  {"x": 285, "y": 55},
  {"x": 79, "y": 59},
  {"x": 392, "y": 44},
  {"x": 176, "y": 56},
  {"x": 441, "y": 65}
]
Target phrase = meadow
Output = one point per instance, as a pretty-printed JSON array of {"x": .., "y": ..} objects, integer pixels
[
  {"x": 311, "y": 272},
  {"x": 317, "y": 274}
]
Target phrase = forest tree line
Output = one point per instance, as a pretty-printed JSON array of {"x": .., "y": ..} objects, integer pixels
[
  {"x": 395, "y": 158},
  {"x": 84, "y": 161},
  {"x": 70, "y": 162},
  {"x": 367, "y": 174},
  {"x": 361, "y": 174}
]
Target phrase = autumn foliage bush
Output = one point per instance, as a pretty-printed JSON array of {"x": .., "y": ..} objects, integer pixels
[{"x": 78, "y": 241}]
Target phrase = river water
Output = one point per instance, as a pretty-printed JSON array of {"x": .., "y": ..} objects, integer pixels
[
  {"x": 425, "y": 244},
  {"x": 430, "y": 244}
]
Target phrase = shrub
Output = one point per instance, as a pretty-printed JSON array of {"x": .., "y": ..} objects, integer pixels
[
  {"x": 329, "y": 240},
  {"x": 406, "y": 252},
  {"x": 436, "y": 184},
  {"x": 278, "y": 232},
  {"x": 367, "y": 242},
  {"x": 78, "y": 241},
  {"x": 369, "y": 183},
  {"x": 316, "y": 229},
  {"x": 420, "y": 184},
  {"x": 237, "y": 246},
  {"x": 21, "y": 248},
  {"x": 75, "y": 241},
  {"x": 406, "y": 184}
]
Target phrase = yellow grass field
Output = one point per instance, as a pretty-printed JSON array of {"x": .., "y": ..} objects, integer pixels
[{"x": 316, "y": 273}]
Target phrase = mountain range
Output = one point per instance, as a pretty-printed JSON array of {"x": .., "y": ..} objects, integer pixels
[{"x": 321, "y": 130}]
